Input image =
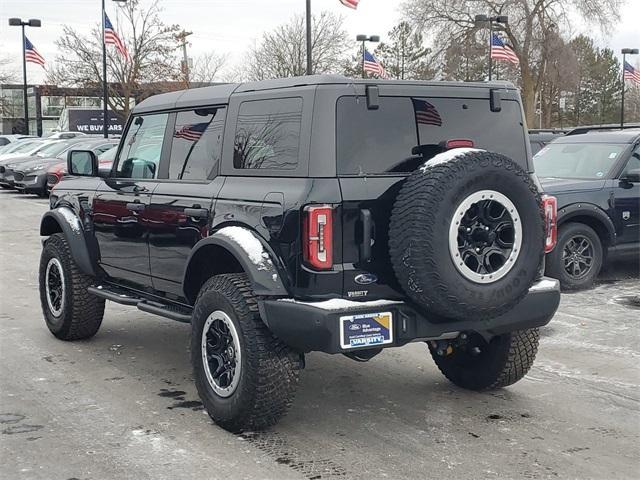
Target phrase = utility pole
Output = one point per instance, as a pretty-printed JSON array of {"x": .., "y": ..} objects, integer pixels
[
  {"x": 309, "y": 59},
  {"x": 182, "y": 38}
]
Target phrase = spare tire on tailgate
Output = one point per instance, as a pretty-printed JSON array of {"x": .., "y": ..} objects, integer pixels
[{"x": 466, "y": 234}]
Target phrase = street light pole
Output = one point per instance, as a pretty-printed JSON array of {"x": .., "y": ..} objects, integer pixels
[
  {"x": 363, "y": 39},
  {"x": 17, "y": 22},
  {"x": 480, "y": 19},
  {"x": 625, "y": 51}
]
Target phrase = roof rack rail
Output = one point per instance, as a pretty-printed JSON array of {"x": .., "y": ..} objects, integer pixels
[
  {"x": 549, "y": 130},
  {"x": 581, "y": 130}
]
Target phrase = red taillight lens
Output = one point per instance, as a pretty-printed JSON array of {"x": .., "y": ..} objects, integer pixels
[
  {"x": 550, "y": 208},
  {"x": 458, "y": 143},
  {"x": 317, "y": 241}
]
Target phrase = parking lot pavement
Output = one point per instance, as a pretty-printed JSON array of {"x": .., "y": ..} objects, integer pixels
[{"x": 123, "y": 404}]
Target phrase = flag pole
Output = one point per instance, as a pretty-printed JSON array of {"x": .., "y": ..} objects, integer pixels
[
  {"x": 105, "y": 94},
  {"x": 490, "y": 45},
  {"x": 624, "y": 60},
  {"x": 309, "y": 62}
]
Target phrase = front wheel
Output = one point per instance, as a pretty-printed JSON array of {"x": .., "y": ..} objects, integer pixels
[
  {"x": 70, "y": 311},
  {"x": 245, "y": 376},
  {"x": 577, "y": 259},
  {"x": 482, "y": 365}
]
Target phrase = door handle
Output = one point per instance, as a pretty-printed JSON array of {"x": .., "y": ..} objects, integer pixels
[
  {"x": 196, "y": 212},
  {"x": 135, "y": 206}
]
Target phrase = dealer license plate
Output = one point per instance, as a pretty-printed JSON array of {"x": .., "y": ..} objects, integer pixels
[{"x": 366, "y": 330}]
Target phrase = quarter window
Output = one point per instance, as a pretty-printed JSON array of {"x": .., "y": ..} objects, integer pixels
[
  {"x": 268, "y": 134},
  {"x": 142, "y": 147},
  {"x": 197, "y": 143}
]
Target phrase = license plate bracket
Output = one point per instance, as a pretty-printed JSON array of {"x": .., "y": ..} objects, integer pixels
[{"x": 364, "y": 330}]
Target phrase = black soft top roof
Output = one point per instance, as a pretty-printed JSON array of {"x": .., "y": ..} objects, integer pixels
[{"x": 219, "y": 94}]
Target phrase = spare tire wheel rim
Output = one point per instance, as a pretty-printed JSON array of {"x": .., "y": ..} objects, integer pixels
[
  {"x": 54, "y": 286},
  {"x": 485, "y": 236},
  {"x": 221, "y": 354}
]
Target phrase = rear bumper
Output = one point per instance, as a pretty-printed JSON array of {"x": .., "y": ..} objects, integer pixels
[{"x": 307, "y": 328}]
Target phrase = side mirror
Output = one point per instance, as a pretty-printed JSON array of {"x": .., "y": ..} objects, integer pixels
[
  {"x": 82, "y": 163},
  {"x": 632, "y": 176}
]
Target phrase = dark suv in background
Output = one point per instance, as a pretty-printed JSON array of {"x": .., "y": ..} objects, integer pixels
[
  {"x": 311, "y": 214},
  {"x": 594, "y": 172}
]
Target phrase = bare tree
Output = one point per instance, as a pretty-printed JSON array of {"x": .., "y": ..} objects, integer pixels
[
  {"x": 531, "y": 24},
  {"x": 207, "y": 68},
  {"x": 282, "y": 51},
  {"x": 152, "y": 57},
  {"x": 7, "y": 72}
]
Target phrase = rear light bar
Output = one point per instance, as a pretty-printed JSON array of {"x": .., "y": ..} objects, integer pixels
[
  {"x": 458, "y": 143},
  {"x": 317, "y": 236},
  {"x": 550, "y": 208}
]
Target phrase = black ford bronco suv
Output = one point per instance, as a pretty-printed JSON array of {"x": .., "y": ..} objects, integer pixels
[{"x": 311, "y": 214}]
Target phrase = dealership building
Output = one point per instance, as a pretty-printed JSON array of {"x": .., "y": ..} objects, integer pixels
[{"x": 49, "y": 103}]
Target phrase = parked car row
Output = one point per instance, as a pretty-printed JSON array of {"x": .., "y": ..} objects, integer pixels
[
  {"x": 34, "y": 165},
  {"x": 594, "y": 173}
]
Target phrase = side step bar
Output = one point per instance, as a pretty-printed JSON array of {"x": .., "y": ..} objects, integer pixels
[{"x": 173, "y": 312}]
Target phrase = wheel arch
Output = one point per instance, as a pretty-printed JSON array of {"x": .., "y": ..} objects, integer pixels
[
  {"x": 222, "y": 253},
  {"x": 590, "y": 215},
  {"x": 64, "y": 220}
]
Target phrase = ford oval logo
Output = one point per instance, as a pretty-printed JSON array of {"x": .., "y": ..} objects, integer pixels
[{"x": 366, "y": 279}]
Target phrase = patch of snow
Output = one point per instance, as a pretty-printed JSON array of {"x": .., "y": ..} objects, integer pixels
[
  {"x": 274, "y": 277},
  {"x": 447, "y": 157},
  {"x": 71, "y": 219},
  {"x": 341, "y": 304},
  {"x": 248, "y": 242}
]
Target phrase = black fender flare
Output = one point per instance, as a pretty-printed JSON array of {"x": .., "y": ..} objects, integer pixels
[
  {"x": 583, "y": 209},
  {"x": 254, "y": 255},
  {"x": 65, "y": 220}
]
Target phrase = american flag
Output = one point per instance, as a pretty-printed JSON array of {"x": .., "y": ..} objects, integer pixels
[
  {"x": 192, "y": 132},
  {"x": 111, "y": 37},
  {"x": 631, "y": 73},
  {"x": 350, "y": 3},
  {"x": 426, "y": 114},
  {"x": 500, "y": 51},
  {"x": 31, "y": 54},
  {"x": 372, "y": 65}
]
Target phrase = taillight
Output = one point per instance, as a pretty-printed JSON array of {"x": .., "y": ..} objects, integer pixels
[
  {"x": 458, "y": 143},
  {"x": 317, "y": 240},
  {"x": 550, "y": 208}
]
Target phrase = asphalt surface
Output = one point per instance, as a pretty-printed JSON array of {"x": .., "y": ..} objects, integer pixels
[{"x": 123, "y": 405}]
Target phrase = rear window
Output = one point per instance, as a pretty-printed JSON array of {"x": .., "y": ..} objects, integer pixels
[
  {"x": 578, "y": 160},
  {"x": 380, "y": 141}
]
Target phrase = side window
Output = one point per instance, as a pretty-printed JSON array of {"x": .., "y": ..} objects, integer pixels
[
  {"x": 197, "y": 143},
  {"x": 634, "y": 161},
  {"x": 142, "y": 146},
  {"x": 268, "y": 134}
]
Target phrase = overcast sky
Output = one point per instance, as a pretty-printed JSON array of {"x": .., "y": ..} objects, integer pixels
[{"x": 230, "y": 26}]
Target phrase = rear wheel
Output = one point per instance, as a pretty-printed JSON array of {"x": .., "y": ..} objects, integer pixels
[
  {"x": 577, "y": 259},
  {"x": 245, "y": 376},
  {"x": 482, "y": 365},
  {"x": 70, "y": 311}
]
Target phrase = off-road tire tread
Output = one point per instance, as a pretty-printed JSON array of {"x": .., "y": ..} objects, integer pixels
[
  {"x": 519, "y": 358},
  {"x": 275, "y": 368},
  {"x": 413, "y": 220},
  {"x": 87, "y": 310}
]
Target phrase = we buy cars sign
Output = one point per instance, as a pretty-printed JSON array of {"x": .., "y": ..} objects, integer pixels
[{"x": 90, "y": 121}]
